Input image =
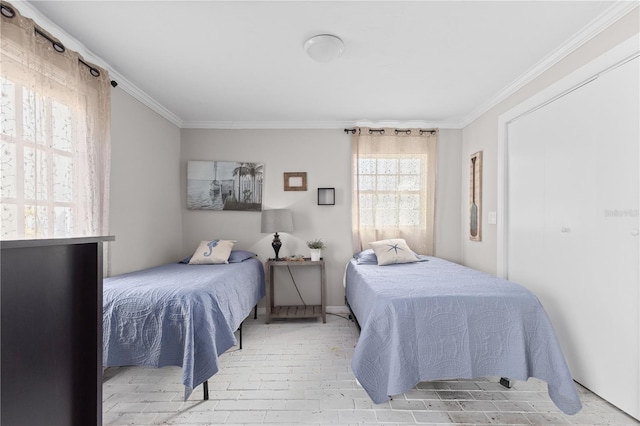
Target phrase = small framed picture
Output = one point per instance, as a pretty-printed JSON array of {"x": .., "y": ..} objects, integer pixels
[{"x": 295, "y": 181}]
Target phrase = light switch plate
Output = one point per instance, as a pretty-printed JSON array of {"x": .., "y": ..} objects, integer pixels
[{"x": 493, "y": 218}]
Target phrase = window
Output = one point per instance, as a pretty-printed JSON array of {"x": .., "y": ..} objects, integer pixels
[
  {"x": 37, "y": 164},
  {"x": 394, "y": 187},
  {"x": 54, "y": 137},
  {"x": 391, "y": 191}
]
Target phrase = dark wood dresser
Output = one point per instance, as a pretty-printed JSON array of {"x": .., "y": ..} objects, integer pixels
[{"x": 51, "y": 331}]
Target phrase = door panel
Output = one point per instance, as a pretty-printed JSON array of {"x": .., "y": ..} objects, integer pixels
[{"x": 572, "y": 227}]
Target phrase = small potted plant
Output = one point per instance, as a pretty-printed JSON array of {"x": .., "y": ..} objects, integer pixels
[{"x": 316, "y": 247}]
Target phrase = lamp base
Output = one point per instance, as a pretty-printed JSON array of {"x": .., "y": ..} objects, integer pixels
[{"x": 276, "y": 244}]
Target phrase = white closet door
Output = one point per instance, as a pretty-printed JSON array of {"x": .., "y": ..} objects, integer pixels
[
  {"x": 617, "y": 239},
  {"x": 573, "y": 224}
]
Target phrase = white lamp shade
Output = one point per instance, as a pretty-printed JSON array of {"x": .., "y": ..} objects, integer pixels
[
  {"x": 276, "y": 220},
  {"x": 324, "y": 47}
]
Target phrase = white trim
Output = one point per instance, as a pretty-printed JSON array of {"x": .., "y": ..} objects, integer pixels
[
  {"x": 266, "y": 124},
  {"x": 409, "y": 124},
  {"x": 28, "y": 10},
  {"x": 603, "y": 21},
  {"x": 316, "y": 124},
  {"x": 588, "y": 72},
  {"x": 145, "y": 99},
  {"x": 341, "y": 310},
  {"x": 502, "y": 201},
  {"x": 608, "y": 17}
]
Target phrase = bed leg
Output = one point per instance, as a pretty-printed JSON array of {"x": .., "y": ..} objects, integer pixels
[
  {"x": 205, "y": 388},
  {"x": 240, "y": 332},
  {"x": 352, "y": 316},
  {"x": 255, "y": 312},
  {"x": 505, "y": 382}
]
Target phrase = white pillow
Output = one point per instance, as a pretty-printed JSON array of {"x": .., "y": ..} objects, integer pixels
[
  {"x": 211, "y": 252},
  {"x": 392, "y": 251}
]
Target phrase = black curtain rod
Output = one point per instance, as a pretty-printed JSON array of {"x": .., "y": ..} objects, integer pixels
[
  {"x": 59, "y": 47},
  {"x": 396, "y": 131},
  {"x": 8, "y": 12}
]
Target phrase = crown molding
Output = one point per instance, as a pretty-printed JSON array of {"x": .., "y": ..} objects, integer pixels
[
  {"x": 410, "y": 124},
  {"x": 607, "y": 18},
  {"x": 595, "y": 27},
  {"x": 28, "y": 10},
  {"x": 246, "y": 125},
  {"x": 147, "y": 100},
  {"x": 309, "y": 125}
]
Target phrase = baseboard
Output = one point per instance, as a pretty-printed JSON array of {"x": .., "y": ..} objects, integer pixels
[{"x": 342, "y": 309}]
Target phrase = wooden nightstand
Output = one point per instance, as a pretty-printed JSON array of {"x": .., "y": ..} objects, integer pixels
[{"x": 297, "y": 311}]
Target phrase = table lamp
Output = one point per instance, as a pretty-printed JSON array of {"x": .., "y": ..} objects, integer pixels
[{"x": 276, "y": 220}]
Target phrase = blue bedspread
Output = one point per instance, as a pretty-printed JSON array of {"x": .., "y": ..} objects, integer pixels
[
  {"x": 439, "y": 320},
  {"x": 178, "y": 314}
]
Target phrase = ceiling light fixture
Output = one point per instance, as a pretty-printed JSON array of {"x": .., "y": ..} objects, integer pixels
[{"x": 324, "y": 47}]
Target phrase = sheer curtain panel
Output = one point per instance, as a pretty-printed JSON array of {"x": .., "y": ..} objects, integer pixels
[
  {"x": 394, "y": 182},
  {"x": 55, "y": 136}
]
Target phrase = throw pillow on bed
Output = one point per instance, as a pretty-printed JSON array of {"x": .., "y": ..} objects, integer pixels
[
  {"x": 366, "y": 257},
  {"x": 236, "y": 256},
  {"x": 393, "y": 251},
  {"x": 210, "y": 252}
]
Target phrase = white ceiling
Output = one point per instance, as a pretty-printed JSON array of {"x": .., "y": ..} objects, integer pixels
[{"x": 241, "y": 64}]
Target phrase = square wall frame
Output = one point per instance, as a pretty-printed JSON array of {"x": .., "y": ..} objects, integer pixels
[{"x": 326, "y": 196}]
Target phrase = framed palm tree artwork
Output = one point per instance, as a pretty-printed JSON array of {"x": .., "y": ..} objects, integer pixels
[{"x": 224, "y": 185}]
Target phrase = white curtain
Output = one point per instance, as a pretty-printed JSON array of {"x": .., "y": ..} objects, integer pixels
[
  {"x": 55, "y": 137},
  {"x": 394, "y": 182}
]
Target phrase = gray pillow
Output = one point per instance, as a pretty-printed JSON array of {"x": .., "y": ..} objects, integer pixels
[{"x": 236, "y": 256}]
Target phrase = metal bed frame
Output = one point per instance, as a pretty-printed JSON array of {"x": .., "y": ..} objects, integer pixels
[{"x": 205, "y": 384}]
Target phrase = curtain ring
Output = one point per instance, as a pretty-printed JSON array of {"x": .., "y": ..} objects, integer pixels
[
  {"x": 406, "y": 132},
  {"x": 58, "y": 47},
  {"x": 7, "y": 11}
]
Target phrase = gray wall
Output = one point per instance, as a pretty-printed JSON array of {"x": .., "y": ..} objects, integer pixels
[
  {"x": 325, "y": 156},
  {"x": 145, "y": 187},
  {"x": 448, "y": 209},
  {"x": 148, "y": 193}
]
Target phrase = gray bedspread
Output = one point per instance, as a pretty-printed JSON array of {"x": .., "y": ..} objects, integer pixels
[
  {"x": 178, "y": 314},
  {"x": 439, "y": 320}
]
